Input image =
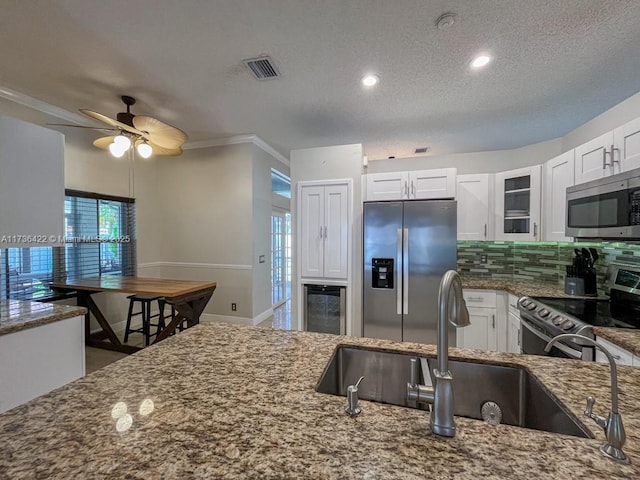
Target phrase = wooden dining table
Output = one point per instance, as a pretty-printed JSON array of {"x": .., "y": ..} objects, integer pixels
[{"x": 188, "y": 297}]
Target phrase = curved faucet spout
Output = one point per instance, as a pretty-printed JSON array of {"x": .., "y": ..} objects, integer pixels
[{"x": 451, "y": 309}]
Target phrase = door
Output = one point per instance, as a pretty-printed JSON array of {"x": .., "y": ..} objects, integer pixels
[
  {"x": 513, "y": 333},
  {"x": 382, "y": 301},
  {"x": 311, "y": 231},
  {"x": 473, "y": 207},
  {"x": 429, "y": 250},
  {"x": 387, "y": 186},
  {"x": 558, "y": 175},
  {"x": 432, "y": 184},
  {"x": 627, "y": 140},
  {"x": 336, "y": 231},
  {"x": 592, "y": 160},
  {"x": 280, "y": 257}
]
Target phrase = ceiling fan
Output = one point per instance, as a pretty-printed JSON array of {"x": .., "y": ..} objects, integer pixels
[{"x": 148, "y": 135}]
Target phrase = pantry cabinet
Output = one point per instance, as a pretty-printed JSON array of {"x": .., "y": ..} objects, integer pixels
[
  {"x": 517, "y": 204},
  {"x": 558, "y": 174},
  {"x": 323, "y": 216},
  {"x": 419, "y": 184},
  {"x": 475, "y": 205}
]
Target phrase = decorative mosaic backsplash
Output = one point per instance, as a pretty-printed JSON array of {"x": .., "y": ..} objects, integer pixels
[{"x": 538, "y": 261}]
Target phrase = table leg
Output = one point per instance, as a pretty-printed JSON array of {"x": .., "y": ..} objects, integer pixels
[{"x": 189, "y": 310}]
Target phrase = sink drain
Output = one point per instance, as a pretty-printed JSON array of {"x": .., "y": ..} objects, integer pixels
[{"x": 491, "y": 413}]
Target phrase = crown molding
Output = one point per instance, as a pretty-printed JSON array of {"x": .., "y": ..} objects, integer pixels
[
  {"x": 236, "y": 140},
  {"x": 47, "y": 108},
  {"x": 41, "y": 106}
]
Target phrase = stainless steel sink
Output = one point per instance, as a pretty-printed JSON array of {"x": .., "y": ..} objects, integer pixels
[{"x": 521, "y": 397}]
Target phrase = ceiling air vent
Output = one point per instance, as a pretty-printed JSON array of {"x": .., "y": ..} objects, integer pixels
[
  {"x": 422, "y": 150},
  {"x": 262, "y": 68}
]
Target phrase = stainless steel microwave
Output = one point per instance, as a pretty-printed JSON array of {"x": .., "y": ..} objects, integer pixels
[{"x": 607, "y": 208}]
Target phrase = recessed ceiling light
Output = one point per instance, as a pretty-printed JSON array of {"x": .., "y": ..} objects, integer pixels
[
  {"x": 370, "y": 80},
  {"x": 481, "y": 61},
  {"x": 446, "y": 20}
]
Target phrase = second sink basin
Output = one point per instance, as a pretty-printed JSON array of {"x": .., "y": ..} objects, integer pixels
[{"x": 521, "y": 397}]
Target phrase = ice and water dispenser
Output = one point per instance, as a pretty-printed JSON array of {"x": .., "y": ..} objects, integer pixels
[{"x": 382, "y": 272}]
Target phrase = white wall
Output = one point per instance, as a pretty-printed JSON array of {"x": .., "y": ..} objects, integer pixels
[
  {"x": 333, "y": 163},
  {"x": 263, "y": 200},
  {"x": 476, "y": 162},
  {"x": 620, "y": 114}
]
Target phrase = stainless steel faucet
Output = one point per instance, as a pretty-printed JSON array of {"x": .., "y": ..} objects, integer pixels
[
  {"x": 451, "y": 309},
  {"x": 612, "y": 425},
  {"x": 353, "y": 409}
]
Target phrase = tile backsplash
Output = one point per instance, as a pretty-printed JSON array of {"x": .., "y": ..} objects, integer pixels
[{"x": 538, "y": 261}]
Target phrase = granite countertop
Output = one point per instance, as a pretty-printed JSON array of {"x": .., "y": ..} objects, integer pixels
[
  {"x": 623, "y": 337},
  {"x": 16, "y": 315},
  {"x": 519, "y": 288},
  {"x": 223, "y": 401}
]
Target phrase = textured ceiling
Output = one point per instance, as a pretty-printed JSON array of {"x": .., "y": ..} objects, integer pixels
[{"x": 557, "y": 64}]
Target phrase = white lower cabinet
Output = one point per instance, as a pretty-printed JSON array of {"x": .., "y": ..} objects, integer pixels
[
  {"x": 620, "y": 355},
  {"x": 482, "y": 333},
  {"x": 513, "y": 333}
]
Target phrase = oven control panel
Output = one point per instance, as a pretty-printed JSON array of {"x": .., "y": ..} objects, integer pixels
[{"x": 553, "y": 321}]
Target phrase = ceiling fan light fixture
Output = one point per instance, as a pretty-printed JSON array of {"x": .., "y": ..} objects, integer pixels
[
  {"x": 144, "y": 150},
  {"x": 122, "y": 141},
  {"x": 116, "y": 150}
]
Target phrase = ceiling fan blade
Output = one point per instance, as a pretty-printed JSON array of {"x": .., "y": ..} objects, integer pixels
[
  {"x": 99, "y": 129},
  {"x": 160, "y": 133},
  {"x": 110, "y": 121},
  {"x": 103, "y": 142},
  {"x": 158, "y": 150}
]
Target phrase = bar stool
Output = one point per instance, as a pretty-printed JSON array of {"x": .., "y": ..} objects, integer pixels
[
  {"x": 145, "y": 313},
  {"x": 161, "y": 303}
]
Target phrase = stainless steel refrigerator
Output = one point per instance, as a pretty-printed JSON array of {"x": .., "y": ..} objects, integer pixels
[{"x": 408, "y": 246}]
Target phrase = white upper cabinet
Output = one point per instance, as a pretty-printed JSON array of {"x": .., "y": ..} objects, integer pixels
[
  {"x": 421, "y": 184},
  {"x": 473, "y": 193},
  {"x": 593, "y": 159},
  {"x": 31, "y": 184},
  {"x": 324, "y": 230},
  {"x": 517, "y": 204},
  {"x": 627, "y": 141},
  {"x": 558, "y": 175}
]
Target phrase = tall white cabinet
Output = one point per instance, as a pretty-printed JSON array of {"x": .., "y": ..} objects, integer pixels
[
  {"x": 324, "y": 230},
  {"x": 558, "y": 175},
  {"x": 475, "y": 206},
  {"x": 517, "y": 204}
]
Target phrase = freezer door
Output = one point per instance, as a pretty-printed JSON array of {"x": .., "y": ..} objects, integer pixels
[
  {"x": 382, "y": 301},
  {"x": 430, "y": 249}
]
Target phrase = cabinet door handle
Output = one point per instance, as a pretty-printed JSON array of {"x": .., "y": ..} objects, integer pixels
[
  {"x": 406, "y": 188},
  {"x": 474, "y": 299},
  {"x": 485, "y": 230},
  {"x": 535, "y": 229},
  {"x": 320, "y": 231},
  {"x": 493, "y": 321},
  {"x": 413, "y": 189},
  {"x": 604, "y": 158},
  {"x": 617, "y": 357},
  {"x": 613, "y": 156}
]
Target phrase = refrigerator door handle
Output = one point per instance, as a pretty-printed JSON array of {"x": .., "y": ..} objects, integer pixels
[
  {"x": 405, "y": 272},
  {"x": 399, "y": 286}
]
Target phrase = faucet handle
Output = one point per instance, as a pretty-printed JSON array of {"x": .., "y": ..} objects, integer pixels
[{"x": 596, "y": 418}]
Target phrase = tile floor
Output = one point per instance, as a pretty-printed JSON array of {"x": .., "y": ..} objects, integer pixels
[{"x": 96, "y": 358}]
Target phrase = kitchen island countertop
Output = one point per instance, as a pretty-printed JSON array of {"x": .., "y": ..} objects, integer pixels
[{"x": 222, "y": 401}]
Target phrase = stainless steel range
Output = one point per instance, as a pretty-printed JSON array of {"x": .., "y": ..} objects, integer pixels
[{"x": 543, "y": 318}]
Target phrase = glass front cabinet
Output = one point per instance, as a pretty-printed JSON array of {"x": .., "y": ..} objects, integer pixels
[{"x": 517, "y": 204}]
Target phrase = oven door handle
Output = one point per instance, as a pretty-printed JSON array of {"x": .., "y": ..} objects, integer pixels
[{"x": 569, "y": 351}]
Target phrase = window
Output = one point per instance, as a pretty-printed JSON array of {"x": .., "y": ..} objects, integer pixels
[
  {"x": 100, "y": 240},
  {"x": 280, "y": 184}
]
